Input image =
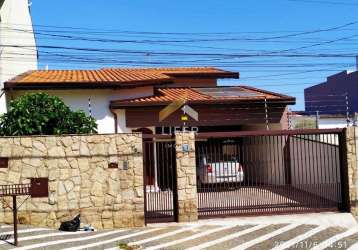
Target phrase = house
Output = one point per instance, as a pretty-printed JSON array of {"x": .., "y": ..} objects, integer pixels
[
  {"x": 17, "y": 42},
  {"x": 130, "y": 99}
]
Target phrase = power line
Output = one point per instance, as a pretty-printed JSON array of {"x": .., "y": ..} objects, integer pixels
[
  {"x": 199, "y": 40},
  {"x": 228, "y": 55},
  {"x": 158, "y": 55},
  {"x": 326, "y": 2},
  {"x": 102, "y": 30}
]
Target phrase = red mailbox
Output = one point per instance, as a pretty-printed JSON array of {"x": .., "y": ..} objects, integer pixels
[
  {"x": 39, "y": 187},
  {"x": 113, "y": 165}
]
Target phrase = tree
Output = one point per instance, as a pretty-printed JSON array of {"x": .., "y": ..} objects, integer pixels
[{"x": 42, "y": 114}]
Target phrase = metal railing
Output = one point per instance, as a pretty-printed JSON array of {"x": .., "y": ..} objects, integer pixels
[{"x": 15, "y": 189}]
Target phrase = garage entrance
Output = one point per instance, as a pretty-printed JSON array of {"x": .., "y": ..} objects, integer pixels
[{"x": 270, "y": 172}]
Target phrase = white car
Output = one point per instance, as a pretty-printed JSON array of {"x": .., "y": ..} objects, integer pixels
[{"x": 211, "y": 172}]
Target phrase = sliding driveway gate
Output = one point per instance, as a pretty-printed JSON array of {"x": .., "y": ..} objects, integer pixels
[
  {"x": 160, "y": 184},
  {"x": 263, "y": 172}
]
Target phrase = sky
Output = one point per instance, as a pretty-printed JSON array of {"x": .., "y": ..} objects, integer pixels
[{"x": 278, "y": 45}]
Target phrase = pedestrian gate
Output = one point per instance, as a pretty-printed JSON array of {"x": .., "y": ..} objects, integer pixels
[{"x": 160, "y": 179}]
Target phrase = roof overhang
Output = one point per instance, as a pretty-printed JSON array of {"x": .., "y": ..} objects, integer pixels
[
  {"x": 109, "y": 77},
  {"x": 224, "y": 74},
  {"x": 81, "y": 85},
  {"x": 260, "y": 98},
  {"x": 289, "y": 101}
]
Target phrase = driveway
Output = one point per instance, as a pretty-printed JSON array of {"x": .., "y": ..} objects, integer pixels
[{"x": 310, "y": 231}]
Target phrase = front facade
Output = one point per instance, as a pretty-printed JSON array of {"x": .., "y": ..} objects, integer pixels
[
  {"x": 131, "y": 179},
  {"x": 219, "y": 109},
  {"x": 124, "y": 100}
]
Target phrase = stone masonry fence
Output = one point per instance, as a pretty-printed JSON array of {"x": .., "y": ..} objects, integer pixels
[
  {"x": 80, "y": 180},
  {"x": 352, "y": 162},
  {"x": 101, "y": 177}
]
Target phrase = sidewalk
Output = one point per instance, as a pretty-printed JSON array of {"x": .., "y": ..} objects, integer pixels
[{"x": 306, "y": 231}]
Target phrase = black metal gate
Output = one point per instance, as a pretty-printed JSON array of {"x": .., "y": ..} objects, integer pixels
[
  {"x": 160, "y": 185},
  {"x": 263, "y": 172}
]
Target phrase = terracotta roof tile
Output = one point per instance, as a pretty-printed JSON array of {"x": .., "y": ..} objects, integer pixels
[
  {"x": 111, "y": 76},
  {"x": 164, "y": 96},
  {"x": 88, "y": 76},
  {"x": 177, "y": 71}
]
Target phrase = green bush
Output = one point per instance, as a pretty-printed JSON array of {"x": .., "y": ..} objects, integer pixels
[{"x": 42, "y": 114}]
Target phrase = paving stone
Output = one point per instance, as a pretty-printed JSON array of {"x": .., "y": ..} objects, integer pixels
[
  {"x": 344, "y": 243},
  {"x": 246, "y": 237},
  {"x": 209, "y": 237},
  {"x": 94, "y": 240},
  {"x": 279, "y": 239},
  {"x": 48, "y": 238},
  {"x": 150, "y": 234},
  {"x": 317, "y": 238},
  {"x": 139, "y": 237},
  {"x": 181, "y": 235},
  {"x": 100, "y": 237}
]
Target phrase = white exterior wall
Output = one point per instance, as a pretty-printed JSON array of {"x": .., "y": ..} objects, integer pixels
[
  {"x": 121, "y": 121},
  {"x": 100, "y": 100},
  {"x": 323, "y": 122},
  {"x": 332, "y": 123},
  {"x": 15, "y": 60}
]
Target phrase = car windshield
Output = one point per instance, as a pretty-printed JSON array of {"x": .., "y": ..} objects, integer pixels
[
  {"x": 220, "y": 153},
  {"x": 211, "y": 158}
]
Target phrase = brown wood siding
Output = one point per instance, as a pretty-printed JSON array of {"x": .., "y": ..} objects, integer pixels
[{"x": 209, "y": 115}]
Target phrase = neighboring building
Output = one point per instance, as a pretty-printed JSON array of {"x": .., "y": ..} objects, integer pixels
[
  {"x": 130, "y": 99},
  {"x": 330, "y": 96},
  {"x": 17, "y": 42},
  {"x": 334, "y": 101}
]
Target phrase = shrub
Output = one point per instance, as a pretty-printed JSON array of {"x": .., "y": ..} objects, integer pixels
[{"x": 42, "y": 114}]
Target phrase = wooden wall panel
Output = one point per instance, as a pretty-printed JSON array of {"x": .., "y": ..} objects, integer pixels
[{"x": 209, "y": 115}]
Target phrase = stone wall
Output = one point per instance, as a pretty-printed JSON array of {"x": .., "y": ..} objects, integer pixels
[
  {"x": 186, "y": 174},
  {"x": 352, "y": 160},
  {"x": 79, "y": 179}
]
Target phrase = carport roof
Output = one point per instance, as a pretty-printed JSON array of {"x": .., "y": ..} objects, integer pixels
[{"x": 217, "y": 95}]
